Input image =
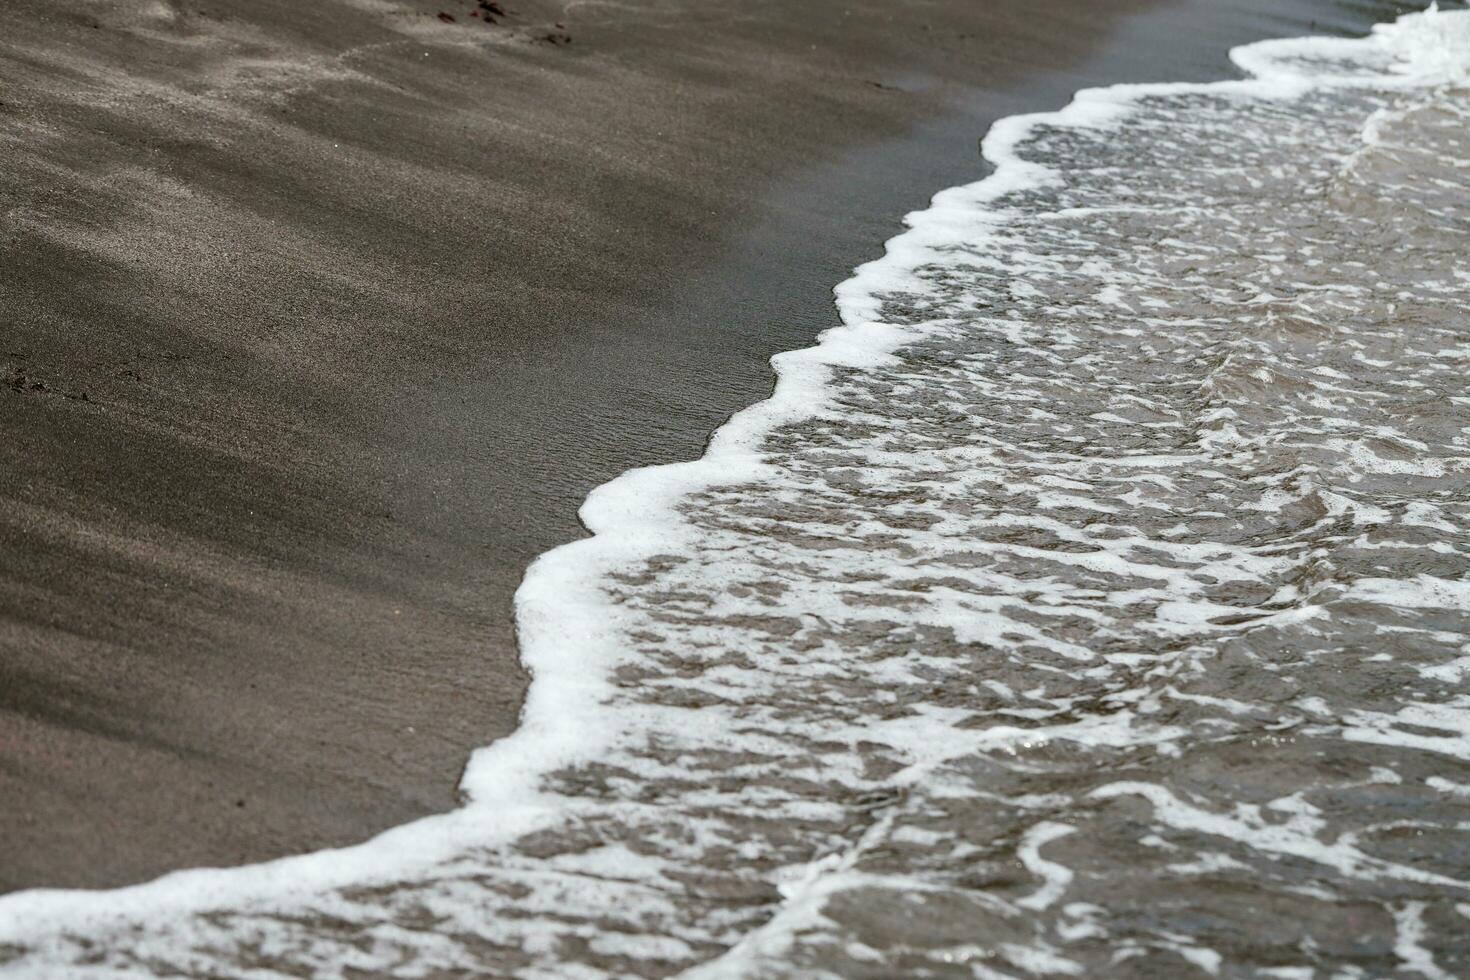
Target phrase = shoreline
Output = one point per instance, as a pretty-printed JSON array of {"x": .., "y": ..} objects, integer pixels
[
  {"x": 644, "y": 366},
  {"x": 440, "y": 857}
]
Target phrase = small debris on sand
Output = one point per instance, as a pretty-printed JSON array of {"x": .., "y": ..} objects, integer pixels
[
  {"x": 489, "y": 10},
  {"x": 20, "y": 381}
]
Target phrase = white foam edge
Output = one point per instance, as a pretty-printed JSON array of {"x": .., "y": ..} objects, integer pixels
[{"x": 567, "y": 632}]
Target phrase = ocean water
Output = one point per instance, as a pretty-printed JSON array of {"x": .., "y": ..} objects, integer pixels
[{"x": 1093, "y": 603}]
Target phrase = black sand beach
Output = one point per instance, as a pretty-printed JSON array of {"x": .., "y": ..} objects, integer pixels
[{"x": 317, "y": 322}]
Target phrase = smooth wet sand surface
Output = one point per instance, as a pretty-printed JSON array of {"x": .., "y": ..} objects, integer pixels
[{"x": 317, "y": 321}]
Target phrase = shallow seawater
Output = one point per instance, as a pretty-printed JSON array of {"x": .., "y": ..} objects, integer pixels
[{"x": 1095, "y": 603}]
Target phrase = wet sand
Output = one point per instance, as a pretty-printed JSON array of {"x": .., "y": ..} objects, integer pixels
[{"x": 317, "y": 322}]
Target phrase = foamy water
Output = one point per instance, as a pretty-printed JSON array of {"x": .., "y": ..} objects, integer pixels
[{"x": 1093, "y": 603}]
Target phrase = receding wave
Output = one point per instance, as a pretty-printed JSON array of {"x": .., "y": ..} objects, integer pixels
[{"x": 1094, "y": 602}]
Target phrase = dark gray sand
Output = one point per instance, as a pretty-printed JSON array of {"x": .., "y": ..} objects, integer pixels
[{"x": 318, "y": 320}]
